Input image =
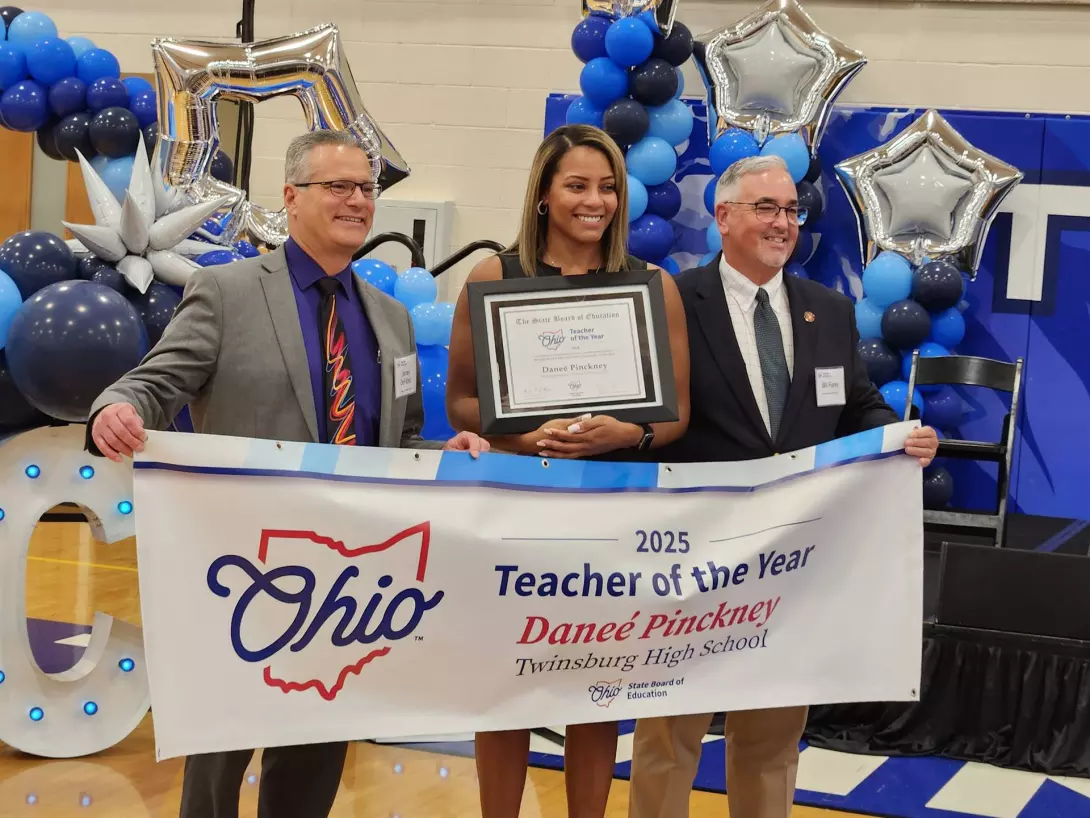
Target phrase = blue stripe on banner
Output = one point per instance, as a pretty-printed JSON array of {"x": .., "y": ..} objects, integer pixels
[
  {"x": 558, "y": 474},
  {"x": 319, "y": 458},
  {"x": 843, "y": 449}
]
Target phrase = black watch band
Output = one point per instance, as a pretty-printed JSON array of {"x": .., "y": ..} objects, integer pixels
[{"x": 647, "y": 439}]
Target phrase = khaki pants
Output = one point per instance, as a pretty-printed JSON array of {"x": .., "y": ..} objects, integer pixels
[{"x": 762, "y": 762}]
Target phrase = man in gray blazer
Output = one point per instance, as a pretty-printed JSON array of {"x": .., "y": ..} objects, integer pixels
[{"x": 287, "y": 346}]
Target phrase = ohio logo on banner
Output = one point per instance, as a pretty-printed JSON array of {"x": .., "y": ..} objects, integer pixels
[{"x": 297, "y": 593}]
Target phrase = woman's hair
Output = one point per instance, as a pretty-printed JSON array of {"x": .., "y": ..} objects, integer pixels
[{"x": 530, "y": 243}]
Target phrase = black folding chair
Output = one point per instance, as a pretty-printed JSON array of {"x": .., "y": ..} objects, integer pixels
[{"x": 964, "y": 370}]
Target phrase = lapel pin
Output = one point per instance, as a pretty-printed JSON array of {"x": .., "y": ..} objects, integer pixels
[{"x": 809, "y": 317}]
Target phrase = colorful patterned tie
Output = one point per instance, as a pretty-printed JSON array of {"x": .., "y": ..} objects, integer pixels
[
  {"x": 774, "y": 372},
  {"x": 340, "y": 394}
]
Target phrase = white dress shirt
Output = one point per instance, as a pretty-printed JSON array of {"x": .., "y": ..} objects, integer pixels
[{"x": 742, "y": 302}]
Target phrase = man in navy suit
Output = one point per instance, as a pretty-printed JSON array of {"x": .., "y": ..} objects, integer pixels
[{"x": 757, "y": 339}]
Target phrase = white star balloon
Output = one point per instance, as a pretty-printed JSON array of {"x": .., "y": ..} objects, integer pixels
[
  {"x": 139, "y": 236},
  {"x": 774, "y": 72},
  {"x": 927, "y": 193}
]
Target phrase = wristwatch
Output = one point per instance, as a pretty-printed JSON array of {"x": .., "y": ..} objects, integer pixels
[{"x": 647, "y": 439}]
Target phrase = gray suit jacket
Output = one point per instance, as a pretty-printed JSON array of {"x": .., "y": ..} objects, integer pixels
[{"x": 234, "y": 352}]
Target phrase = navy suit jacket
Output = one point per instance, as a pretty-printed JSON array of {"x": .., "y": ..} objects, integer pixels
[{"x": 725, "y": 423}]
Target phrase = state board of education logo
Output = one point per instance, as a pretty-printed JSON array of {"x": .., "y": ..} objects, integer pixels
[
  {"x": 551, "y": 339},
  {"x": 603, "y": 693}
]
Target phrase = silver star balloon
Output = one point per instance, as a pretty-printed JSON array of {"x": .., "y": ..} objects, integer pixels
[
  {"x": 665, "y": 11},
  {"x": 927, "y": 193},
  {"x": 140, "y": 237},
  {"x": 774, "y": 72}
]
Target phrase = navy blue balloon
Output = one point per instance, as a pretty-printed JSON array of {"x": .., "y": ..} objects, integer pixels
[
  {"x": 810, "y": 198},
  {"x": 797, "y": 270},
  {"x": 156, "y": 308},
  {"x": 804, "y": 247},
  {"x": 34, "y": 259},
  {"x": 15, "y": 412},
  {"x": 664, "y": 200},
  {"x": 650, "y": 238},
  {"x": 107, "y": 92},
  {"x": 814, "y": 173},
  {"x": 69, "y": 96},
  {"x": 47, "y": 142},
  {"x": 938, "y": 489},
  {"x": 937, "y": 285},
  {"x": 72, "y": 134},
  {"x": 114, "y": 132},
  {"x": 677, "y": 48},
  {"x": 654, "y": 83},
  {"x": 905, "y": 324},
  {"x": 9, "y": 13},
  {"x": 109, "y": 277},
  {"x": 222, "y": 167},
  {"x": 883, "y": 364},
  {"x": 144, "y": 107},
  {"x": 588, "y": 40},
  {"x": 150, "y": 135},
  {"x": 626, "y": 120},
  {"x": 25, "y": 106},
  {"x": 70, "y": 341},
  {"x": 87, "y": 266}
]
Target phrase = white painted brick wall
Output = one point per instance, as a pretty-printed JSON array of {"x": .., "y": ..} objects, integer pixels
[{"x": 460, "y": 86}]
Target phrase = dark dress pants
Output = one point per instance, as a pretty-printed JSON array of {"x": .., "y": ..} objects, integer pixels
[{"x": 296, "y": 782}]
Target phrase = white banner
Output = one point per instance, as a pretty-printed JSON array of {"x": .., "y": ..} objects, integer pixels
[{"x": 297, "y": 593}]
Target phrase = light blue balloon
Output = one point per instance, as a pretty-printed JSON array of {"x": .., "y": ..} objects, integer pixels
[
  {"x": 715, "y": 238},
  {"x": 637, "y": 198},
  {"x": 708, "y": 259},
  {"x": 792, "y": 149},
  {"x": 868, "y": 319},
  {"x": 116, "y": 173},
  {"x": 31, "y": 26},
  {"x": 948, "y": 327},
  {"x": 652, "y": 160},
  {"x": 99, "y": 163},
  {"x": 10, "y": 301},
  {"x": 672, "y": 122},
  {"x": 680, "y": 84},
  {"x": 887, "y": 279},
  {"x": 415, "y": 286},
  {"x": 80, "y": 45},
  {"x": 432, "y": 323}
]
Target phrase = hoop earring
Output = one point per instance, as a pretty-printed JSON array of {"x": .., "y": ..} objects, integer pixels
[{"x": 542, "y": 208}]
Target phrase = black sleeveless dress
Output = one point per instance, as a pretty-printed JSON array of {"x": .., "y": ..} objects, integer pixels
[{"x": 512, "y": 268}]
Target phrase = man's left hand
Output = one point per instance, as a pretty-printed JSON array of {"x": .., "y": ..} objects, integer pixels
[
  {"x": 922, "y": 443},
  {"x": 467, "y": 442}
]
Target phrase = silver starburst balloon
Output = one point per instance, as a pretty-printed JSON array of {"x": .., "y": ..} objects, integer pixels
[
  {"x": 927, "y": 193},
  {"x": 774, "y": 72},
  {"x": 143, "y": 237},
  {"x": 664, "y": 10}
]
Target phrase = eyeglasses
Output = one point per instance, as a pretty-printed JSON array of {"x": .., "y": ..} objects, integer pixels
[
  {"x": 343, "y": 188},
  {"x": 768, "y": 212}
]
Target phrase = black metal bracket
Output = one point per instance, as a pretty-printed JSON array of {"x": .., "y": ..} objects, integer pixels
[
  {"x": 399, "y": 238},
  {"x": 465, "y": 252}
]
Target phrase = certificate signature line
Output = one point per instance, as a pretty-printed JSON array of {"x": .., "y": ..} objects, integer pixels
[
  {"x": 559, "y": 539},
  {"x": 763, "y": 530}
]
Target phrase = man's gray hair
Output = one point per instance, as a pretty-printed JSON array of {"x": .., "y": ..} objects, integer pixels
[
  {"x": 296, "y": 165},
  {"x": 727, "y": 187}
]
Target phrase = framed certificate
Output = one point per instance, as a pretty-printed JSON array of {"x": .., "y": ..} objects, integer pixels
[{"x": 561, "y": 346}]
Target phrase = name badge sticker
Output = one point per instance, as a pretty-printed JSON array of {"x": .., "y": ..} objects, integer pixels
[
  {"x": 404, "y": 376},
  {"x": 829, "y": 383}
]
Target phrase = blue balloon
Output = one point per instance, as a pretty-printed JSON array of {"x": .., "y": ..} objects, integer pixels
[
  {"x": 108, "y": 276},
  {"x": 433, "y": 388},
  {"x": 246, "y": 250},
  {"x": 928, "y": 349},
  {"x": 107, "y": 92},
  {"x": 377, "y": 273},
  {"x": 583, "y": 112},
  {"x": 652, "y": 160},
  {"x": 709, "y": 195},
  {"x": 80, "y": 45},
  {"x": 432, "y": 323},
  {"x": 664, "y": 200},
  {"x": 797, "y": 270},
  {"x": 792, "y": 149},
  {"x": 629, "y": 42},
  {"x": 680, "y": 84},
  {"x": 603, "y": 82},
  {"x": 95, "y": 64},
  {"x": 25, "y": 106},
  {"x": 943, "y": 409},
  {"x": 137, "y": 84},
  {"x": 672, "y": 122},
  {"x": 883, "y": 364},
  {"x": 117, "y": 173},
  {"x": 30, "y": 27},
  {"x": 69, "y": 96},
  {"x": 70, "y": 341},
  {"x": 729, "y": 147},
  {"x": 13, "y": 66},
  {"x": 708, "y": 258},
  {"x": 215, "y": 257},
  {"x": 650, "y": 237},
  {"x": 35, "y": 259},
  {"x": 670, "y": 266},
  {"x": 415, "y": 286},
  {"x": 156, "y": 308},
  {"x": 895, "y": 394},
  {"x": 212, "y": 227},
  {"x": 50, "y": 60},
  {"x": 938, "y": 488},
  {"x": 10, "y": 301},
  {"x": 868, "y": 319},
  {"x": 588, "y": 40},
  {"x": 948, "y": 328},
  {"x": 905, "y": 324},
  {"x": 887, "y": 279},
  {"x": 637, "y": 198},
  {"x": 715, "y": 238},
  {"x": 146, "y": 109}
]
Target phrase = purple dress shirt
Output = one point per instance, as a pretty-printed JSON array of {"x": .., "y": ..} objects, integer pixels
[{"x": 362, "y": 344}]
